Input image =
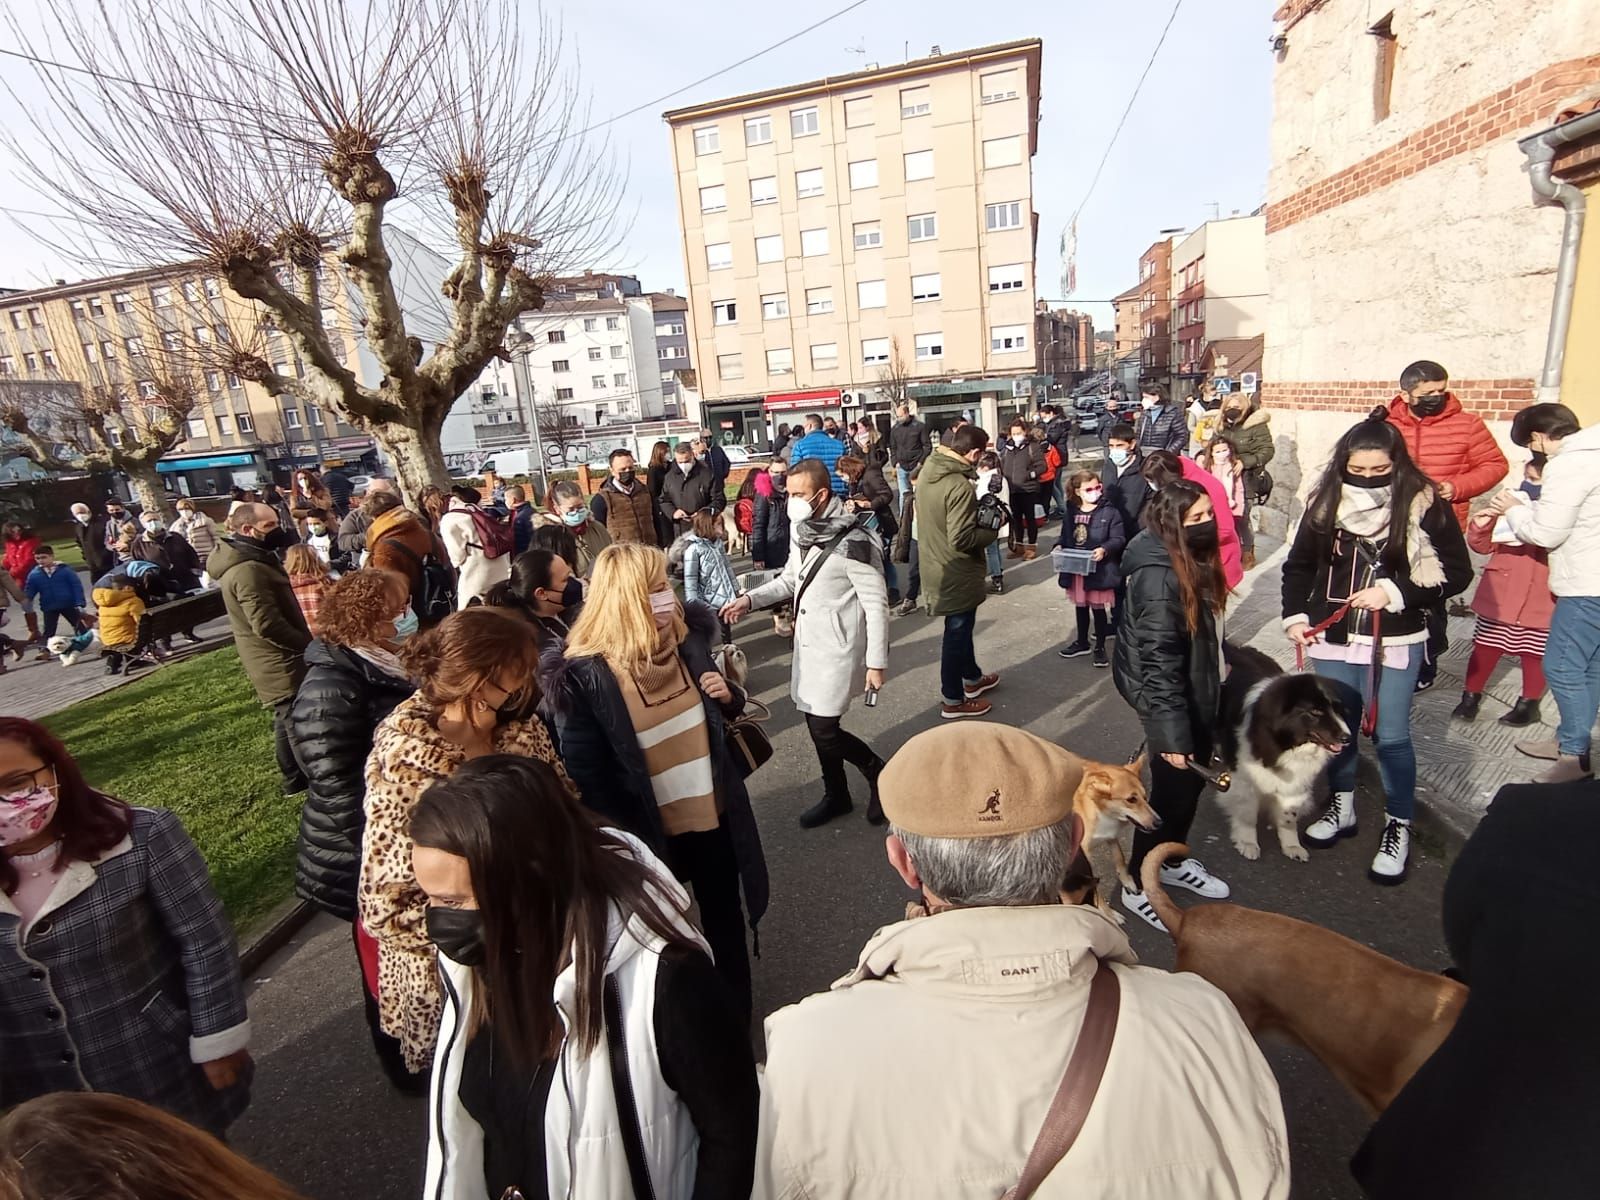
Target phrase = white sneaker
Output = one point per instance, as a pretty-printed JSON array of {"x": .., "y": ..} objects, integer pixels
[
  {"x": 1191, "y": 874},
  {"x": 1394, "y": 847},
  {"x": 1337, "y": 821},
  {"x": 1139, "y": 906}
]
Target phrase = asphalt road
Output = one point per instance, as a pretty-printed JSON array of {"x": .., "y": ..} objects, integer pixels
[{"x": 325, "y": 1120}]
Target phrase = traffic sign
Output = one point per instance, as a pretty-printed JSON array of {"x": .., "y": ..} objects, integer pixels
[{"x": 1248, "y": 382}]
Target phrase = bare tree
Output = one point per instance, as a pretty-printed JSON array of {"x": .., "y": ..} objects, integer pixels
[
  {"x": 894, "y": 380},
  {"x": 264, "y": 139},
  {"x": 557, "y": 429}
]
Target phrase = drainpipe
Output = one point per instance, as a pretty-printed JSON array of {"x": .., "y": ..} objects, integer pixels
[{"x": 1541, "y": 152}]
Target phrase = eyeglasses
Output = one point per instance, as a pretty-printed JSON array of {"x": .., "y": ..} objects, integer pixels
[{"x": 19, "y": 781}]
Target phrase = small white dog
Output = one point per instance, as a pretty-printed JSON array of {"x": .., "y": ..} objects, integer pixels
[{"x": 70, "y": 649}]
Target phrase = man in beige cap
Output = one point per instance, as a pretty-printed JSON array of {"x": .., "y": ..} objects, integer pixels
[{"x": 927, "y": 1071}]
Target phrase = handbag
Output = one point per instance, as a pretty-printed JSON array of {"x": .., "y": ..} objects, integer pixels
[{"x": 747, "y": 740}]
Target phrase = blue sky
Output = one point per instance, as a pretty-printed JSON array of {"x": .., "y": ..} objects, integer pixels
[{"x": 1196, "y": 138}]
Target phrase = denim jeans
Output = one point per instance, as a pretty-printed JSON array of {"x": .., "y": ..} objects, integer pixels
[
  {"x": 914, "y": 588},
  {"x": 902, "y": 485},
  {"x": 891, "y": 575},
  {"x": 1397, "y": 757},
  {"x": 996, "y": 563},
  {"x": 958, "y": 663},
  {"x": 1572, "y": 666},
  {"x": 1057, "y": 490}
]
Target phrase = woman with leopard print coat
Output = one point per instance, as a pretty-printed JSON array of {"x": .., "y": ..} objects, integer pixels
[{"x": 477, "y": 696}]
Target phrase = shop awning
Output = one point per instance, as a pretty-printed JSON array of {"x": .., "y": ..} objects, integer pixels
[
  {"x": 815, "y": 398},
  {"x": 167, "y": 467}
]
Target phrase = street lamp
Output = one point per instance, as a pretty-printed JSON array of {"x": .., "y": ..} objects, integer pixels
[{"x": 521, "y": 344}]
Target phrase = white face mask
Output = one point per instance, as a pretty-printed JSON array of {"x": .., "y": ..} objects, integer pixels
[
  {"x": 1147, "y": 402},
  {"x": 799, "y": 509},
  {"x": 686, "y": 467}
]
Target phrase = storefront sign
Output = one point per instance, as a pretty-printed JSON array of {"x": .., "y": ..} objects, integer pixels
[
  {"x": 815, "y": 398},
  {"x": 207, "y": 463},
  {"x": 1010, "y": 386}
]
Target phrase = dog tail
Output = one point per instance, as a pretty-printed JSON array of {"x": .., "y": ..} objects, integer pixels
[{"x": 1150, "y": 879}]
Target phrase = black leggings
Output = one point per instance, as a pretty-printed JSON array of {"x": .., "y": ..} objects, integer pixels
[
  {"x": 1175, "y": 795},
  {"x": 706, "y": 862},
  {"x": 1025, "y": 507},
  {"x": 1102, "y": 625},
  {"x": 835, "y": 747}
]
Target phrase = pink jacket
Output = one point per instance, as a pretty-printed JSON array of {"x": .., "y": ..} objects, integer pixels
[
  {"x": 1227, "y": 529},
  {"x": 1515, "y": 587}
]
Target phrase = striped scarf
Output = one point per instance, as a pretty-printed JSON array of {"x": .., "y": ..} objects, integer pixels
[{"x": 670, "y": 723}]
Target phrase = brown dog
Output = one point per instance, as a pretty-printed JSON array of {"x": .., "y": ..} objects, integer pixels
[
  {"x": 1107, "y": 797},
  {"x": 1372, "y": 1021}
]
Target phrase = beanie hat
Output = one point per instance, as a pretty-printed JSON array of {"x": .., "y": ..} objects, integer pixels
[{"x": 978, "y": 779}]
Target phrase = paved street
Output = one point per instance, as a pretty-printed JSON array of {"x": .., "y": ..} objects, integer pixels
[{"x": 325, "y": 1120}]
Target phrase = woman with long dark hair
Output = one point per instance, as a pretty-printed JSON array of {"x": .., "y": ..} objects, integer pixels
[
  {"x": 1168, "y": 665},
  {"x": 580, "y": 1004},
  {"x": 118, "y": 968},
  {"x": 655, "y": 476},
  {"x": 1378, "y": 547},
  {"x": 543, "y": 590}
]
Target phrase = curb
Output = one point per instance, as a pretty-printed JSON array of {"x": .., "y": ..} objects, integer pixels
[{"x": 284, "y": 922}]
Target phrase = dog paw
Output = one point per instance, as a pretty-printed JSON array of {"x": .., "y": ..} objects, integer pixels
[
  {"x": 1250, "y": 850},
  {"x": 1297, "y": 853}
]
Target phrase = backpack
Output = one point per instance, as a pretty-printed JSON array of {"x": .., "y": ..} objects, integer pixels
[
  {"x": 433, "y": 597},
  {"x": 1052, "y": 464},
  {"x": 496, "y": 536},
  {"x": 744, "y": 515},
  {"x": 1263, "y": 487}
]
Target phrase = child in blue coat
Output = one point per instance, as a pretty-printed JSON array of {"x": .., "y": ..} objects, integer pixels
[
  {"x": 1092, "y": 524},
  {"x": 707, "y": 572},
  {"x": 59, "y": 592}
]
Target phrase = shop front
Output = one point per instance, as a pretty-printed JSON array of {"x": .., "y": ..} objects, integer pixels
[
  {"x": 212, "y": 474},
  {"x": 740, "y": 422},
  {"x": 988, "y": 403},
  {"x": 792, "y": 408}
]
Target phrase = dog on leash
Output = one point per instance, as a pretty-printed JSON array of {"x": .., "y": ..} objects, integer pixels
[
  {"x": 1371, "y": 1021},
  {"x": 1107, "y": 798},
  {"x": 1278, "y": 733},
  {"x": 738, "y": 543},
  {"x": 70, "y": 649}
]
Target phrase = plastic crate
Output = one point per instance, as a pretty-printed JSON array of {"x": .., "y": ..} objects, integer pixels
[{"x": 1072, "y": 562}]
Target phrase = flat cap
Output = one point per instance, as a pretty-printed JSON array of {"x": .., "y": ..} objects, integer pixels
[{"x": 978, "y": 779}]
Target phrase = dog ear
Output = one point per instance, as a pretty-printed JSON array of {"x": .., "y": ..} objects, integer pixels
[{"x": 1137, "y": 766}]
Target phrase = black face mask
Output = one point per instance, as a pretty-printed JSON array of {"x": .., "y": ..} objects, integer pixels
[
  {"x": 1201, "y": 537},
  {"x": 279, "y": 539},
  {"x": 458, "y": 932},
  {"x": 520, "y": 707},
  {"x": 625, "y": 475},
  {"x": 1367, "y": 481},
  {"x": 572, "y": 594},
  {"x": 1429, "y": 406}
]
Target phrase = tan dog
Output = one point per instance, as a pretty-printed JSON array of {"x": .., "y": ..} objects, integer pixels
[
  {"x": 1108, "y": 797},
  {"x": 738, "y": 543},
  {"x": 1372, "y": 1021}
]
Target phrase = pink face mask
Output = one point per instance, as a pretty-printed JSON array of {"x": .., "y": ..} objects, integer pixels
[
  {"x": 663, "y": 605},
  {"x": 24, "y": 814},
  {"x": 1092, "y": 497}
]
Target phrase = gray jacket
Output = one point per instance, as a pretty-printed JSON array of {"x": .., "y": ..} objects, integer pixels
[{"x": 125, "y": 980}]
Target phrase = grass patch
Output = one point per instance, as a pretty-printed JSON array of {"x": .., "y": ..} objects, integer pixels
[
  {"x": 192, "y": 737},
  {"x": 67, "y": 549}
]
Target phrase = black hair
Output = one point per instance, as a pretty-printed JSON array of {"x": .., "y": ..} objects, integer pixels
[
  {"x": 530, "y": 572},
  {"x": 465, "y": 494},
  {"x": 1151, "y": 388},
  {"x": 1552, "y": 420},
  {"x": 1121, "y": 432},
  {"x": 1201, "y": 582},
  {"x": 50, "y": 550},
  {"x": 967, "y": 439},
  {"x": 1407, "y": 482},
  {"x": 619, "y": 452},
  {"x": 1422, "y": 371},
  {"x": 1161, "y": 467},
  {"x": 557, "y": 539}
]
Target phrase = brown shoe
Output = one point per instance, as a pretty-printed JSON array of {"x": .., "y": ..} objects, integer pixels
[
  {"x": 1029, "y": 553},
  {"x": 1014, "y": 552},
  {"x": 1545, "y": 749},
  {"x": 1247, "y": 560},
  {"x": 967, "y": 708},
  {"x": 985, "y": 683},
  {"x": 1568, "y": 769}
]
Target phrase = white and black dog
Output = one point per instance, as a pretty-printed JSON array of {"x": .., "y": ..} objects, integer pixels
[{"x": 1279, "y": 733}]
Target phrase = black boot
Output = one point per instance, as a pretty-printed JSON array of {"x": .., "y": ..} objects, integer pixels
[
  {"x": 825, "y": 810},
  {"x": 1467, "y": 710},
  {"x": 874, "y": 806},
  {"x": 1524, "y": 712},
  {"x": 997, "y": 584}
]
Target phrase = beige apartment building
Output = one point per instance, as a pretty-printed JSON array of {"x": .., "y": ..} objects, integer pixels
[
  {"x": 1219, "y": 292},
  {"x": 843, "y": 233}
]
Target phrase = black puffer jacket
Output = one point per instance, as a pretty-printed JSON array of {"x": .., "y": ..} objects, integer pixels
[
  {"x": 909, "y": 443},
  {"x": 1024, "y": 466},
  {"x": 1172, "y": 679},
  {"x": 339, "y": 704},
  {"x": 769, "y": 535}
]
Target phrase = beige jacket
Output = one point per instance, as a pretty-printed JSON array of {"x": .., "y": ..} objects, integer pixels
[{"x": 926, "y": 1072}]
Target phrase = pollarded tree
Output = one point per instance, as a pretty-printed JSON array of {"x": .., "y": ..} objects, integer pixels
[{"x": 260, "y": 138}]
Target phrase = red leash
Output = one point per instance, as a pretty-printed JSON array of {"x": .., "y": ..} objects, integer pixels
[{"x": 1369, "y": 716}]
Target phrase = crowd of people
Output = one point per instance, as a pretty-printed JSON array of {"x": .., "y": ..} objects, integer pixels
[{"x": 525, "y": 746}]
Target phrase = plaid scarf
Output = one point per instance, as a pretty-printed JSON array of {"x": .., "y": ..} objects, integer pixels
[{"x": 1364, "y": 513}]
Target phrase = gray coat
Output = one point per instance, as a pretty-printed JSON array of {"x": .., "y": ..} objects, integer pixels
[
  {"x": 841, "y": 627},
  {"x": 125, "y": 980}
]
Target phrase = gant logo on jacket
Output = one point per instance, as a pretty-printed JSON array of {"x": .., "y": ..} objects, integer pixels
[{"x": 991, "y": 808}]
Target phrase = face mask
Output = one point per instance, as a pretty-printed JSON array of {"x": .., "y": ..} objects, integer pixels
[
  {"x": 1147, "y": 402},
  {"x": 155, "y": 526},
  {"x": 1532, "y": 490},
  {"x": 81, "y": 518},
  {"x": 458, "y": 932},
  {"x": 1119, "y": 457},
  {"x": 317, "y": 530},
  {"x": 1220, "y": 458},
  {"x": 1092, "y": 497},
  {"x": 1428, "y": 406},
  {"x": 185, "y": 514},
  {"x": 777, "y": 481},
  {"x": 1368, "y": 481},
  {"x": 625, "y": 475},
  {"x": 405, "y": 625},
  {"x": 1202, "y": 536},
  {"x": 686, "y": 467},
  {"x": 663, "y": 606},
  {"x": 574, "y": 518},
  {"x": 572, "y": 594},
  {"x": 863, "y": 440},
  {"x": 24, "y": 814},
  {"x": 799, "y": 509},
  {"x": 1232, "y": 416},
  {"x": 279, "y": 539}
]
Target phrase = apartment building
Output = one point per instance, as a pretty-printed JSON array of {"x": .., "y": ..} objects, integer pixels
[
  {"x": 1218, "y": 289},
  {"x": 1155, "y": 310},
  {"x": 672, "y": 347},
  {"x": 865, "y": 225},
  {"x": 1064, "y": 341}
]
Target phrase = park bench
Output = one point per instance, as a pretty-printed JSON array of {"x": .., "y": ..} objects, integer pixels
[{"x": 160, "y": 622}]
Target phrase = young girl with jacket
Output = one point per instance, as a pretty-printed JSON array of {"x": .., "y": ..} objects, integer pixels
[
  {"x": 1095, "y": 526},
  {"x": 1168, "y": 666},
  {"x": 1217, "y": 456},
  {"x": 1377, "y": 549},
  {"x": 991, "y": 481},
  {"x": 707, "y": 571},
  {"x": 582, "y": 1010}
]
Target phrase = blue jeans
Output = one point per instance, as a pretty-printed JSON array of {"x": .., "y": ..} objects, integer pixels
[
  {"x": 1397, "y": 757},
  {"x": 996, "y": 566},
  {"x": 958, "y": 663},
  {"x": 891, "y": 577},
  {"x": 902, "y": 485},
  {"x": 1057, "y": 490},
  {"x": 1572, "y": 668}
]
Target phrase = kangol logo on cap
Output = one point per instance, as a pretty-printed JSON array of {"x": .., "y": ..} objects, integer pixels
[{"x": 991, "y": 808}]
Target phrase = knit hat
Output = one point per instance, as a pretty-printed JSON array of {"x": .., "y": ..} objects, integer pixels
[{"x": 978, "y": 779}]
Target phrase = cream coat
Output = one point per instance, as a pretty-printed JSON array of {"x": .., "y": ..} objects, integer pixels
[
  {"x": 1566, "y": 518},
  {"x": 476, "y": 573},
  {"x": 926, "y": 1072}
]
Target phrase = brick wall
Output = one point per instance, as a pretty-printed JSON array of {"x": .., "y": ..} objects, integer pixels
[
  {"x": 1517, "y": 109},
  {"x": 1491, "y": 399}
]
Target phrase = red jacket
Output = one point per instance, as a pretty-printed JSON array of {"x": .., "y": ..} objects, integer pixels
[
  {"x": 1227, "y": 528},
  {"x": 1515, "y": 587},
  {"x": 19, "y": 557},
  {"x": 1454, "y": 447}
]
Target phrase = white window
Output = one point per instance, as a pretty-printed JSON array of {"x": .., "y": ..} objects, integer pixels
[
  {"x": 930, "y": 345},
  {"x": 803, "y": 122},
  {"x": 213, "y": 289},
  {"x": 1002, "y": 216},
  {"x": 135, "y": 345},
  {"x": 560, "y": 366},
  {"x": 78, "y": 310},
  {"x": 764, "y": 190},
  {"x": 926, "y": 287},
  {"x": 824, "y": 356},
  {"x": 730, "y": 366},
  {"x": 923, "y": 227},
  {"x": 161, "y": 296},
  {"x": 114, "y": 436},
  {"x": 291, "y": 418},
  {"x": 813, "y": 242},
  {"x": 808, "y": 182},
  {"x": 724, "y": 312},
  {"x": 874, "y": 350},
  {"x": 557, "y": 336},
  {"x": 769, "y": 249},
  {"x": 707, "y": 140},
  {"x": 669, "y": 377},
  {"x": 864, "y": 174},
  {"x": 598, "y": 382},
  {"x": 869, "y": 235},
  {"x": 590, "y": 324},
  {"x": 16, "y": 318},
  {"x": 108, "y": 351},
  {"x": 202, "y": 335},
  {"x": 1009, "y": 278},
  {"x": 719, "y": 257},
  {"x": 1008, "y": 339},
  {"x": 858, "y": 112},
  {"x": 191, "y": 291},
  {"x": 91, "y": 352},
  {"x": 616, "y": 352},
  {"x": 713, "y": 198},
  {"x": 871, "y": 293},
  {"x": 8, "y": 365},
  {"x": 224, "y": 424},
  {"x": 121, "y": 301},
  {"x": 757, "y": 131},
  {"x": 819, "y": 300},
  {"x": 247, "y": 423},
  {"x": 563, "y": 393},
  {"x": 1003, "y": 152},
  {"x": 31, "y": 361},
  {"x": 774, "y": 305},
  {"x": 916, "y": 101},
  {"x": 919, "y": 165},
  {"x": 196, "y": 427},
  {"x": 670, "y": 352},
  {"x": 97, "y": 306},
  {"x": 49, "y": 357},
  {"x": 594, "y": 353},
  {"x": 214, "y": 381},
  {"x": 669, "y": 329},
  {"x": 613, "y": 323},
  {"x": 620, "y": 379},
  {"x": 999, "y": 85},
  {"x": 780, "y": 362},
  {"x": 170, "y": 340}
]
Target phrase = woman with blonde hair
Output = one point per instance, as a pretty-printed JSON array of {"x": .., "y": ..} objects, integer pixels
[
  {"x": 641, "y": 712},
  {"x": 477, "y": 694}
]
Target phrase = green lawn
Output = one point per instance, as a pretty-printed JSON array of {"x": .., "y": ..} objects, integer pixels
[{"x": 191, "y": 737}]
